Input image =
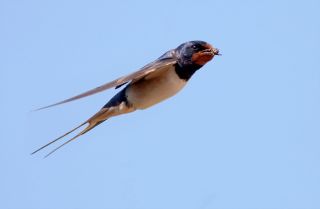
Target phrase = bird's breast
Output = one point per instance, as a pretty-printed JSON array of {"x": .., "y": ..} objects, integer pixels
[{"x": 150, "y": 91}]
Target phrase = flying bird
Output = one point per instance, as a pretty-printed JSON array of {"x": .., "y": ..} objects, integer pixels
[{"x": 146, "y": 87}]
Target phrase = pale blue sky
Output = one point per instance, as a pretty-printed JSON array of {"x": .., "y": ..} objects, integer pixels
[{"x": 244, "y": 133}]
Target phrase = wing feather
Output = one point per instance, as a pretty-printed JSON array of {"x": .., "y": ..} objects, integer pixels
[{"x": 165, "y": 60}]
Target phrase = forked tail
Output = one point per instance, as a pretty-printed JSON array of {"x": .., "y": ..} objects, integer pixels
[{"x": 95, "y": 120}]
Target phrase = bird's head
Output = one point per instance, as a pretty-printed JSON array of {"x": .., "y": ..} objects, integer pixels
[{"x": 195, "y": 53}]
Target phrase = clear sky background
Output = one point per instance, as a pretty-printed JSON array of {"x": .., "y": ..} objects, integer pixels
[{"x": 243, "y": 134}]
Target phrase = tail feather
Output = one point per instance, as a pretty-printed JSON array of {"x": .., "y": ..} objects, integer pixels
[
  {"x": 88, "y": 128},
  {"x": 95, "y": 120},
  {"x": 60, "y": 137}
]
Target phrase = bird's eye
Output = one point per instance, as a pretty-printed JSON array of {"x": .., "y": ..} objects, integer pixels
[{"x": 194, "y": 46}]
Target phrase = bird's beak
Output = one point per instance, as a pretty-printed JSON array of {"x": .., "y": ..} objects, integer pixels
[
  {"x": 216, "y": 51},
  {"x": 211, "y": 51}
]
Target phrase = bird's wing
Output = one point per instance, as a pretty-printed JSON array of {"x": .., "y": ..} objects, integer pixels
[{"x": 168, "y": 59}]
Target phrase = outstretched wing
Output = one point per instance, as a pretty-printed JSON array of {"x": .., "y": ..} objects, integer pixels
[{"x": 162, "y": 62}]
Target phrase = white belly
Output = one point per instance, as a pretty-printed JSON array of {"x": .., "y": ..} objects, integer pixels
[{"x": 148, "y": 92}]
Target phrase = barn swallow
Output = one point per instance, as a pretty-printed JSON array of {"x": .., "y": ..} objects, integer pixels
[{"x": 146, "y": 87}]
